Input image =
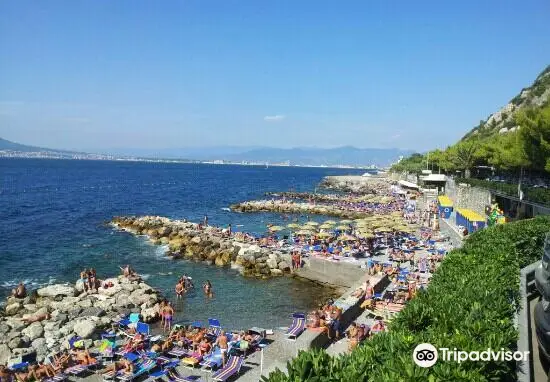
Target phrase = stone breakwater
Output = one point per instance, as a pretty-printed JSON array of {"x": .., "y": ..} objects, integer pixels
[
  {"x": 356, "y": 184},
  {"x": 298, "y": 208},
  {"x": 316, "y": 197},
  {"x": 187, "y": 240},
  {"x": 62, "y": 311}
]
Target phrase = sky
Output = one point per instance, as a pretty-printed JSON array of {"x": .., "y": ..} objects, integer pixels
[{"x": 101, "y": 74}]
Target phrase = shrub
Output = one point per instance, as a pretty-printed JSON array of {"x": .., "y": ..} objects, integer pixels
[{"x": 470, "y": 304}]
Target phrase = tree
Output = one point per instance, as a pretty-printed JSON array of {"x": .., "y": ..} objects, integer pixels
[
  {"x": 535, "y": 136},
  {"x": 464, "y": 155}
]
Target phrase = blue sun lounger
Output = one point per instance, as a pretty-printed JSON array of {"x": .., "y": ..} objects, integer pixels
[
  {"x": 143, "y": 367},
  {"x": 214, "y": 328},
  {"x": 213, "y": 361},
  {"x": 298, "y": 325},
  {"x": 232, "y": 367}
]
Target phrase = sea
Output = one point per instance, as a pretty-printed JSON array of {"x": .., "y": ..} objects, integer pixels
[{"x": 54, "y": 218}]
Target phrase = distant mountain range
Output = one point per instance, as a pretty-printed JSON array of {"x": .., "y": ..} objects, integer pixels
[{"x": 341, "y": 156}]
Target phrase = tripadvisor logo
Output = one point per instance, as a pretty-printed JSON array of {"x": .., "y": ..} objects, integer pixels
[{"x": 426, "y": 355}]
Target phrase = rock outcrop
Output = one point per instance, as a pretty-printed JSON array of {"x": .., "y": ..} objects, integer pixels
[
  {"x": 44, "y": 322},
  {"x": 207, "y": 244}
]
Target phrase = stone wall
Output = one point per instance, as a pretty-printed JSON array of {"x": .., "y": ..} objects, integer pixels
[{"x": 465, "y": 196}]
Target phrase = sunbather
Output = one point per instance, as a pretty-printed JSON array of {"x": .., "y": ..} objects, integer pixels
[
  {"x": 21, "y": 376},
  {"x": 39, "y": 372},
  {"x": 204, "y": 347},
  {"x": 123, "y": 365},
  {"x": 351, "y": 333},
  {"x": 36, "y": 318},
  {"x": 82, "y": 357},
  {"x": 20, "y": 291}
]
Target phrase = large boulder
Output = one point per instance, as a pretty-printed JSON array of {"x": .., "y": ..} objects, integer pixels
[
  {"x": 92, "y": 311},
  {"x": 85, "y": 328},
  {"x": 139, "y": 297},
  {"x": 4, "y": 330},
  {"x": 276, "y": 272},
  {"x": 16, "y": 342},
  {"x": 271, "y": 263},
  {"x": 33, "y": 331},
  {"x": 56, "y": 290},
  {"x": 12, "y": 308},
  {"x": 39, "y": 345},
  {"x": 283, "y": 266},
  {"x": 5, "y": 354},
  {"x": 150, "y": 314}
]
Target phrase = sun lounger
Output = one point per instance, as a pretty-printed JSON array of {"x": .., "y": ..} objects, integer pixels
[
  {"x": 143, "y": 367},
  {"x": 192, "y": 360},
  {"x": 57, "y": 378},
  {"x": 78, "y": 369},
  {"x": 232, "y": 367},
  {"x": 178, "y": 352},
  {"x": 214, "y": 328},
  {"x": 213, "y": 361},
  {"x": 174, "y": 376},
  {"x": 297, "y": 327}
]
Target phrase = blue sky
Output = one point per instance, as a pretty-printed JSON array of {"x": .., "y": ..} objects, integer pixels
[{"x": 101, "y": 74}]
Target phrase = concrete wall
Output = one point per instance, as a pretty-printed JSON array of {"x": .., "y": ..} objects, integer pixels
[
  {"x": 315, "y": 340},
  {"x": 464, "y": 196}
]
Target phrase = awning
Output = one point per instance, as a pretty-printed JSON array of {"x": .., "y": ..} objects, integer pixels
[
  {"x": 435, "y": 178},
  {"x": 404, "y": 183}
]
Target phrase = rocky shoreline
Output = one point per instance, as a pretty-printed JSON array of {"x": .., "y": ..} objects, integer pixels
[
  {"x": 185, "y": 240},
  {"x": 63, "y": 311},
  {"x": 356, "y": 184},
  {"x": 297, "y": 208},
  {"x": 316, "y": 197}
]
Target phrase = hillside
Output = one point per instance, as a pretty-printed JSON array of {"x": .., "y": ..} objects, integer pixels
[
  {"x": 348, "y": 155},
  {"x": 502, "y": 121},
  {"x": 511, "y": 141}
]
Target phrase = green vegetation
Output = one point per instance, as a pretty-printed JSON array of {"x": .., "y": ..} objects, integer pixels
[
  {"x": 525, "y": 143},
  {"x": 532, "y": 194},
  {"x": 528, "y": 147},
  {"x": 470, "y": 304}
]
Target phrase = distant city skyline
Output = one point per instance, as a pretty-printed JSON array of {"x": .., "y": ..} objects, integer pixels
[{"x": 99, "y": 76}]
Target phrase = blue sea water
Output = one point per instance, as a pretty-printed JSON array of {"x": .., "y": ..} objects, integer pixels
[{"x": 53, "y": 224}]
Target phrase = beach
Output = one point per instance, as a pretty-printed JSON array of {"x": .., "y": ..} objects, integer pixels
[{"x": 341, "y": 238}]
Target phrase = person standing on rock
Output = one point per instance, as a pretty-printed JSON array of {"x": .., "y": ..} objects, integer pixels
[
  {"x": 20, "y": 291},
  {"x": 205, "y": 222},
  {"x": 169, "y": 312}
]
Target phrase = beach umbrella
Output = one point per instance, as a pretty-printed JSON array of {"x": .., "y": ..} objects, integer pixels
[
  {"x": 312, "y": 223},
  {"x": 324, "y": 234},
  {"x": 342, "y": 227},
  {"x": 304, "y": 232},
  {"x": 293, "y": 225},
  {"x": 396, "y": 213},
  {"x": 347, "y": 237},
  {"x": 362, "y": 223},
  {"x": 366, "y": 235},
  {"x": 331, "y": 222},
  {"x": 276, "y": 228},
  {"x": 382, "y": 229},
  {"x": 325, "y": 226},
  {"x": 346, "y": 221}
]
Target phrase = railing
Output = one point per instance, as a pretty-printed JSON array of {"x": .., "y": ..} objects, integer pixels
[{"x": 528, "y": 292}]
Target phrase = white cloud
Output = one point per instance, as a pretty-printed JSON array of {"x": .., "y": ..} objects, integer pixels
[{"x": 274, "y": 118}]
